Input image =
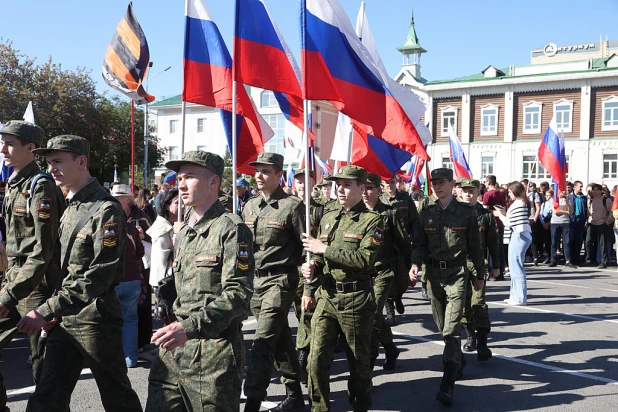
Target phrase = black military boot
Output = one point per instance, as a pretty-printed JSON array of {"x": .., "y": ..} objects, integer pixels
[
  {"x": 293, "y": 401},
  {"x": 392, "y": 353},
  {"x": 470, "y": 345},
  {"x": 483, "y": 353},
  {"x": 399, "y": 305},
  {"x": 303, "y": 356},
  {"x": 447, "y": 386},
  {"x": 253, "y": 405},
  {"x": 389, "y": 307}
]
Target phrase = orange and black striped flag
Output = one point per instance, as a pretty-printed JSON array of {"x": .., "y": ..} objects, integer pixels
[{"x": 127, "y": 59}]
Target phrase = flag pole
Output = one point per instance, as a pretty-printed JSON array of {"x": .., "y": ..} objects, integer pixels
[
  {"x": 234, "y": 145},
  {"x": 132, "y": 146},
  {"x": 306, "y": 109},
  {"x": 183, "y": 115}
]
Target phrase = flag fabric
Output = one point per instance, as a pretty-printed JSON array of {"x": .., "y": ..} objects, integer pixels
[
  {"x": 326, "y": 168},
  {"x": 170, "y": 178},
  {"x": 427, "y": 190},
  {"x": 338, "y": 67},
  {"x": 342, "y": 139},
  {"x": 552, "y": 156},
  {"x": 290, "y": 175},
  {"x": 127, "y": 59},
  {"x": 116, "y": 179},
  {"x": 460, "y": 164},
  {"x": 29, "y": 114},
  {"x": 376, "y": 155},
  {"x": 207, "y": 70},
  {"x": 415, "y": 170}
]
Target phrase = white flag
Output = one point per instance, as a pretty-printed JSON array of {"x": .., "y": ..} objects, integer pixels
[
  {"x": 29, "y": 115},
  {"x": 342, "y": 139}
]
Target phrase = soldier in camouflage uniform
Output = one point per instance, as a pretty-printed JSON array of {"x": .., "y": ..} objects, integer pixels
[
  {"x": 395, "y": 234},
  {"x": 421, "y": 205},
  {"x": 324, "y": 187},
  {"x": 277, "y": 221},
  {"x": 402, "y": 202},
  {"x": 344, "y": 256},
  {"x": 445, "y": 238},
  {"x": 32, "y": 221},
  {"x": 85, "y": 316},
  {"x": 476, "y": 317},
  {"x": 201, "y": 357}
]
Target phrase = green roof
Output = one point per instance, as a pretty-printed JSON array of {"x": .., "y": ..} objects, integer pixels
[
  {"x": 411, "y": 43},
  {"x": 170, "y": 101}
]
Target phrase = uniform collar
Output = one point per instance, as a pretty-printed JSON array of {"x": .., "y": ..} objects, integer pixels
[
  {"x": 85, "y": 192},
  {"x": 31, "y": 169},
  {"x": 278, "y": 194},
  {"x": 209, "y": 217},
  {"x": 451, "y": 206},
  {"x": 355, "y": 211}
]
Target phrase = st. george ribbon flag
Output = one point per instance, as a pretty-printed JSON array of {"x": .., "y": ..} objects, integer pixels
[
  {"x": 207, "y": 72},
  {"x": 338, "y": 67},
  {"x": 460, "y": 164},
  {"x": 127, "y": 59},
  {"x": 553, "y": 158}
]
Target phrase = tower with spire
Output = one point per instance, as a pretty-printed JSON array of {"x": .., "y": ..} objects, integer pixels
[{"x": 412, "y": 48}]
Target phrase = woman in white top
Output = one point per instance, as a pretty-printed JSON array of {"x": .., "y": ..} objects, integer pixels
[{"x": 521, "y": 236}]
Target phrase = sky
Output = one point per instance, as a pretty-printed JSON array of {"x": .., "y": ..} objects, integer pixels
[{"x": 461, "y": 37}]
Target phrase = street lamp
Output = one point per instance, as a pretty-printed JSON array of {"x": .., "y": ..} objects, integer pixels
[{"x": 146, "y": 123}]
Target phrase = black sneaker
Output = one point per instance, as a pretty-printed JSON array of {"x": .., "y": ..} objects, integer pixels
[
  {"x": 570, "y": 265},
  {"x": 602, "y": 266},
  {"x": 546, "y": 261},
  {"x": 552, "y": 264},
  {"x": 500, "y": 277}
]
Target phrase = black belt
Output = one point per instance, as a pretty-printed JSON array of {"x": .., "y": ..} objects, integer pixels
[
  {"x": 279, "y": 270},
  {"x": 447, "y": 264},
  {"x": 349, "y": 287}
]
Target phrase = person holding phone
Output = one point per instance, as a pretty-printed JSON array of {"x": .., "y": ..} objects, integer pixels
[{"x": 560, "y": 224}]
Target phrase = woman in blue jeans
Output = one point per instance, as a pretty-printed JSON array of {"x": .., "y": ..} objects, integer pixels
[
  {"x": 516, "y": 221},
  {"x": 130, "y": 289}
]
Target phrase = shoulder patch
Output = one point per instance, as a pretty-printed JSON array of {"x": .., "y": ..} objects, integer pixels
[
  {"x": 243, "y": 251},
  {"x": 44, "y": 210},
  {"x": 110, "y": 235},
  {"x": 378, "y": 236}
]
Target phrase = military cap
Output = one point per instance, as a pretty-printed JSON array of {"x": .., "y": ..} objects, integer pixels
[
  {"x": 210, "y": 161},
  {"x": 267, "y": 158},
  {"x": 26, "y": 131},
  {"x": 301, "y": 172},
  {"x": 374, "y": 179},
  {"x": 242, "y": 182},
  {"x": 350, "y": 172},
  {"x": 323, "y": 182},
  {"x": 470, "y": 183},
  {"x": 442, "y": 173},
  {"x": 66, "y": 143},
  {"x": 121, "y": 190}
]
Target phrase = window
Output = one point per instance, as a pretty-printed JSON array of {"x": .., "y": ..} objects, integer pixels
[
  {"x": 610, "y": 166},
  {"x": 610, "y": 113},
  {"x": 277, "y": 123},
  {"x": 563, "y": 110},
  {"x": 532, "y": 117},
  {"x": 489, "y": 120},
  {"x": 202, "y": 148},
  {"x": 487, "y": 165},
  {"x": 267, "y": 99},
  {"x": 533, "y": 169},
  {"x": 173, "y": 126},
  {"x": 201, "y": 123},
  {"x": 449, "y": 116},
  {"x": 173, "y": 153},
  {"x": 447, "y": 162}
]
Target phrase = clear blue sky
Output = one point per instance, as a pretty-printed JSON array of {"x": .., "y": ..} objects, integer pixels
[{"x": 462, "y": 37}]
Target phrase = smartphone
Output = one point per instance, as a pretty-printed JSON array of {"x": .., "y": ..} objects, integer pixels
[{"x": 498, "y": 207}]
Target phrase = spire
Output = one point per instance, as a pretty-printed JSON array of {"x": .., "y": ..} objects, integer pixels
[{"x": 411, "y": 44}]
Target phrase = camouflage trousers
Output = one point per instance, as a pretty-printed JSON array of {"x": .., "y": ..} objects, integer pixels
[
  {"x": 448, "y": 298},
  {"x": 8, "y": 330},
  {"x": 271, "y": 301},
  {"x": 201, "y": 375},
  {"x": 303, "y": 334},
  {"x": 94, "y": 341},
  {"x": 353, "y": 313},
  {"x": 475, "y": 312},
  {"x": 401, "y": 279},
  {"x": 381, "y": 331}
]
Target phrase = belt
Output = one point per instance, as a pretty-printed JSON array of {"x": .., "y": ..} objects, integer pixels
[
  {"x": 349, "y": 287},
  {"x": 279, "y": 270},
  {"x": 385, "y": 266},
  {"x": 444, "y": 264}
]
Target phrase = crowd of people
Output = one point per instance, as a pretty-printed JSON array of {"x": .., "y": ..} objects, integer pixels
[{"x": 83, "y": 263}]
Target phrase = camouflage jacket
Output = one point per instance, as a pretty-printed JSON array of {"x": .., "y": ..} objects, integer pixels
[
  {"x": 213, "y": 271},
  {"x": 406, "y": 206},
  {"x": 446, "y": 235},
  {"x": 32, "y": 222},
  {"x": 488, "y": 231},
  {"x": 395, "y": 235},
  {"x": 277, "y": 225},
  {"x": 96, "y": 262}
]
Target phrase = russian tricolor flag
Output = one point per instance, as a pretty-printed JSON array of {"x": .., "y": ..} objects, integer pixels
[
  {"x": 552, "y": 156},
  {"x": 460, "y": 164},
  {"x": 338, "y": 67},
  {"x": 326, "y": 168},
  {"x": 207, "y": 72},
  {"x": 376, "y": 155}
]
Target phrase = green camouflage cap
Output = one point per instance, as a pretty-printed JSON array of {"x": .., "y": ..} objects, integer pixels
[
  {"x": 267, "y": 158},
  {"x": 374, "y": 179},
  {"x": 349, "y": 172},
  {"x": 66, "y": 143},
  {"x": 442, "y": 173},
  {"x": 469, "y": 183},
  {"x": 323, "y": 182},
  {"x": 301, "y": 171},
  {"x": 26, "y": 131},
  {"x": 210, "y": 161}
]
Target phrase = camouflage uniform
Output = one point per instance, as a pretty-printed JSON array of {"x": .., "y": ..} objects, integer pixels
[
  {"x": 422, "y": 205},
  {"x": 32, "y": 221},
  {"x": 345, "y": 298},
  {"x": 91, "y": 329},
  {"x": 213, "y": 270},
  {"x": 444, "y": 240},
  {"x": 277, "y": 224}
]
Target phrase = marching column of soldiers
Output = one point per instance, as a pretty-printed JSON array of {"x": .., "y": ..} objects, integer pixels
[{"x": 367, "y": 246}]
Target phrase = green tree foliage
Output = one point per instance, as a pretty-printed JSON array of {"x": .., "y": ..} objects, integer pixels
[{"x": 66, "y": 102}]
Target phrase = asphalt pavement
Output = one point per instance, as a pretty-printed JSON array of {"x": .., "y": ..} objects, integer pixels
[{"x": 558, "y": 353}]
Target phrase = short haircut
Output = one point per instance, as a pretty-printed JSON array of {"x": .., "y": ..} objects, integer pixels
[
  {"x": 577, "y": 182},
  {"x": 491, "y": 180}
]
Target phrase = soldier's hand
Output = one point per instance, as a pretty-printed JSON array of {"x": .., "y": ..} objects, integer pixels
[
  {"x": 4, "y": 311},
  {"x": 478, "y": 284},
  {"x": 313, "y": 245},
  {"x": 50, "y": 325},
  {"x": 308, "y": 303},
  {"x": 170, "y": 337},
  {"x": 32, "y": 323},
  {"x": 413, "y": 275},
  {"x": 307, "y": 269},
  {"x": 178, "y": 226}
]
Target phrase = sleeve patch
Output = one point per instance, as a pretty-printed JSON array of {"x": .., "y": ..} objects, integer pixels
[
  {"x": 44, "y": 211},
  {"x": 243, "y": 267},
  {"x": 243, "y": 252},
  {"x": 377, "y": 237},
  {"x": 352, "y": 236},
  {"x": 110, "y": 235}
]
